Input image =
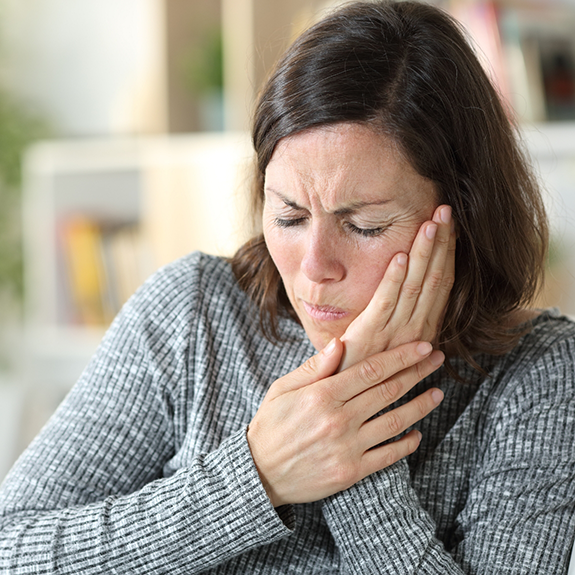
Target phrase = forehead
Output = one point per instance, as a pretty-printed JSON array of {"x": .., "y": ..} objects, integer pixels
[{"x": 344, "y": 163}]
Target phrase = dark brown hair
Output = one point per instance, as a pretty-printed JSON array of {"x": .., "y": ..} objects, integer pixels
[{"x": 406, "y": 69}]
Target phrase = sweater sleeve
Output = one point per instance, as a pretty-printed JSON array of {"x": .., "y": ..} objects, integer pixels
[
  {"x": 518, "y": 515},
  {"x": 89, "y": 495},
  {"x": 380, "y": 527}
]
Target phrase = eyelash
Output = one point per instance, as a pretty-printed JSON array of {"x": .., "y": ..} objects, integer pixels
[
  {"x": 288, "y": 223},
  {"x": 365, "y": 232}
]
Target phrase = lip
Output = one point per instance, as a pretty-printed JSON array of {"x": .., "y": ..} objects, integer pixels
[{"x": 324, "y": 312}]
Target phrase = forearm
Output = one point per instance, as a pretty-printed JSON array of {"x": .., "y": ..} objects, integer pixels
[
  {"x": 200, "y": 517},
  {"x": 379, "y": 526}
]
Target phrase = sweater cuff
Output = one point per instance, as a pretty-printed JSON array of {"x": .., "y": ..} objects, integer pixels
[
  {"x": 249, "y": 514},
  {"x": 375, "y": 518},
  {"x": 377, "y": 500}
]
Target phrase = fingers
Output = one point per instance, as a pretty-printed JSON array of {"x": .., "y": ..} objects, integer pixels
[
  {"x": 376, "y": 369},
  {"x": 386, "y": 455},
  {"x": 437, "y": 299},
  {"x": 410, "y": 301},
  {"x": 396, "y": 421},
  {"x": 370, "y": 327},
  {"x": 427, "y": 260},
  {"x": 316, "y": 368},
  {"x": 419, "y": 258},
  {"x": 430, "y": 276},
  {"x": 380, "y": 396},
  {"x": 305, "y": 442},
  {"x": 384, "y": 301}
]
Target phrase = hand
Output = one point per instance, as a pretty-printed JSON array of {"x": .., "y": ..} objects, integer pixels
[
  {"x": 410, "y": 301},
  {"x": 311, "y": 436}
]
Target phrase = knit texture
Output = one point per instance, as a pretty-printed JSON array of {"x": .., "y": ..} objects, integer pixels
[{"x": 145, "y": 467}]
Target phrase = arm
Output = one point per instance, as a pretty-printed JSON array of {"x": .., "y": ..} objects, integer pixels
[
  {"x": 526, "y": 466},
  {"x": 379, "y": 526},
  {"x": 516, "y": 506},
  {"x": 89, "y": 494}
]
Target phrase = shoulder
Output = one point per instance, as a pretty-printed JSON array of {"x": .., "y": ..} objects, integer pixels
[
  {"x": 545, "y": 355},
  {"x": 531, "y": 390},
  {"x": 194, "y": 272},
  {"x": 166, "y": 309},
  {"x": 182, "y": 285}
]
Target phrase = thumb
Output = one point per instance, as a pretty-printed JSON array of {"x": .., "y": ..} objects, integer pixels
[{"x": 316, "y": 368}]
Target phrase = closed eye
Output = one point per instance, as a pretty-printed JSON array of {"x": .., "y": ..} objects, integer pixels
[
  {"x": 366, "y": 232},
  {"x": 288, "y": 222}
]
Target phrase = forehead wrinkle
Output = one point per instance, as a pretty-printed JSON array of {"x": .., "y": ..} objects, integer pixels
[
  {"x": 356, "y": 206},
  {"x": 321, "y": 188}
]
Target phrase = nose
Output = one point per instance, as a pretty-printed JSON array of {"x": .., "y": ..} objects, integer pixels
[{"x": 322, "y": 260}]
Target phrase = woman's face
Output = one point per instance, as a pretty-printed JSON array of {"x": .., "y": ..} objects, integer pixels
[{"x": 340, "y": 202}]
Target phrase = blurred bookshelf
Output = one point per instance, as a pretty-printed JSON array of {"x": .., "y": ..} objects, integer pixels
[
  {"x": 528, "y": 47},
  {"x": 101, "y": 216}
]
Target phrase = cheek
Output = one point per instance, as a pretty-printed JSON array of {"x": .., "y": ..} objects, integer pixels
[
  {"x": 366, "y": 269},
  {"x": 282, "y": 251},
  {"x": 365, "y": 275}
]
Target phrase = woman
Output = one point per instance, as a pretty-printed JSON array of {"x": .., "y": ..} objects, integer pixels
[{"x": 285, "y": 412}]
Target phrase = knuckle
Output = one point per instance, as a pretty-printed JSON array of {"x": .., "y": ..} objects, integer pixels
[
  {"x": 435, "y": 280},
  {"x": 317, "y": 398},
  {"x": 333, "y": 426},
  {"x": 394, "y": 423},
  {"x": 411, "y": 290},
  {"x": 345, "y": 474},
  {"x": 389, "y": 391},
  {"x": 448, "y": 281},
  {"x": 404, "y": 357},
  {"x": 310, "y": 366},
  {"x": 421, "y": 407},
  {"x": 388, "y": 456},
  {"x": 387, "y": 305},
  {"x": 422, "y": 369},
  {"x": 329, "y": 425},
  {"x": 370, "y": 370},
  {"x": 443, "y": 239}
]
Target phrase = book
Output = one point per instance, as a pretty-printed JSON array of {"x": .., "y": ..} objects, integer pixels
[
  {"x": 104, "y": 265},
  {"x": 81, "y": 243}
]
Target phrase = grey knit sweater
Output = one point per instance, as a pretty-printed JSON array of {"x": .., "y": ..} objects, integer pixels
[{"x": 145, "y": 467}]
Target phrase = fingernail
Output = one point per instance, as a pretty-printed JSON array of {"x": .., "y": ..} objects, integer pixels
[
  {"x": 437, "y": 396},
  {"x": 424, "y": 348},
  {"x": 419, "y": 436},
  {"x": 446, "y": 214},
  {"x": 401, "y": 259},
  {"x": 329, "y": 348},
  {"x": 436, "y": 358},
  {"x": 430, "y": 231}
]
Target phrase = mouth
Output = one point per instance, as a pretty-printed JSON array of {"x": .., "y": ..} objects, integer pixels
[{"x": 324, "y": 312}]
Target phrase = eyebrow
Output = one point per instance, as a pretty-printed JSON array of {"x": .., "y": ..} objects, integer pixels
[{"x": 353, "y": 207}]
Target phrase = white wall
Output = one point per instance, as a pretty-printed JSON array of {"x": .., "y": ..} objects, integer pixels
[{"x": 93, "y": 66}]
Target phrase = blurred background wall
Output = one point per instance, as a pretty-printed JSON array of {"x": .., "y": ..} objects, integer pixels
[{"x": 124, "y": 144}]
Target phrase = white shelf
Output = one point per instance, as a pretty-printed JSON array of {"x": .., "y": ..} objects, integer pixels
[{"x": 185, "y": 193}]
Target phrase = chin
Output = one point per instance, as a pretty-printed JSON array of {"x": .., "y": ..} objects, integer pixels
[{"x": 320, "y": 339}]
